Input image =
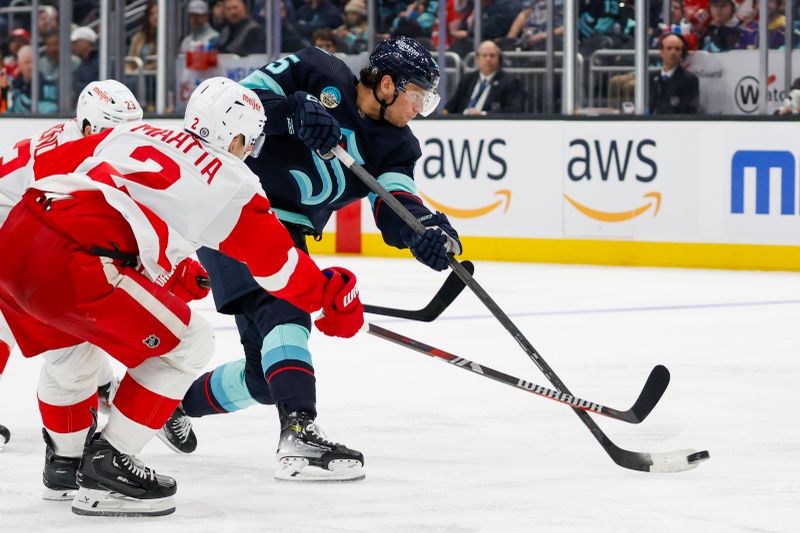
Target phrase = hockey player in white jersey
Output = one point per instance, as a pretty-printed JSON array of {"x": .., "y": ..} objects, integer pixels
[
  {"x": 101, "y": 105},
  {"x": 103, "y": 244}
]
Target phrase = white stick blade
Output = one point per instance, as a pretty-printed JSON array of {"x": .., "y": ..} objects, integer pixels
[{"x": 677, "y": 461}]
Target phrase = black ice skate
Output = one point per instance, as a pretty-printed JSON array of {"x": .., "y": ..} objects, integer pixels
[
  {"x": 112, "y": 483},
  {"x": 5, "y": 436},
  {"x": 177, "y": 433},
  {"x": 305, "y": 454},
  {"x": 59, "y": 473}
]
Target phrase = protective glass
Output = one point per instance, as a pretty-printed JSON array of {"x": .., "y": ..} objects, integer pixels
[{"x": 427, "y": 100}]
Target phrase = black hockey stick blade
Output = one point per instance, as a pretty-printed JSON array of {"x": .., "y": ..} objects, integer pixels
[
  {"x": 449, "y": 291},
  {"x": 652, "y": 392},
  {"x": 653, "y": 388}
]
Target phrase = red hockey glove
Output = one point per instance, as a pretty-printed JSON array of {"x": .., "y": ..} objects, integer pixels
[
  {"x": 342, "y": 312},
  {"x": 185, "y": 281}
]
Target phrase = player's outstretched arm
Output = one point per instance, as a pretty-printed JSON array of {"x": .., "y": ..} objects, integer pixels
[{"x": 289, "y": 273}]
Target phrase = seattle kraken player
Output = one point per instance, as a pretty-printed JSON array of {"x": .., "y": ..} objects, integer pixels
[{"x": 313, "y": 102}]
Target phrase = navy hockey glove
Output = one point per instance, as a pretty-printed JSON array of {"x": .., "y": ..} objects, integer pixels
[
  {"x": 431, "y": 248},
  {"x": 312, "y": 123}
]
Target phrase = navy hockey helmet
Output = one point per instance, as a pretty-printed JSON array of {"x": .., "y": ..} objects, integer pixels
[{"x": 407, "y": 61}]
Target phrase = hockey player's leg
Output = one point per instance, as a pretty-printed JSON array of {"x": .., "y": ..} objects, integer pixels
[
  {"x": 6, "y": 345},
  {"x": 304, "y": 452},
  {"x": 67, "y": 392},
  {"x": 230, "y": 387},
  {"x": 112, "y": 480}
]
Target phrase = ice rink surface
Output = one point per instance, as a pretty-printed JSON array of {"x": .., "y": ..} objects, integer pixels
[{"x": 448, "y": 451}]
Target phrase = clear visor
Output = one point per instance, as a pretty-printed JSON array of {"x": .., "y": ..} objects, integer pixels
[
  {"x": 256, "y": 145},
  {"x": 426, "y": 101}
]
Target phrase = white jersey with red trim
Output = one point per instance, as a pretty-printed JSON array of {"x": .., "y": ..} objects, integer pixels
[
  {"x": 179, "y": 194},
  {"x": 16, "y": 165}
]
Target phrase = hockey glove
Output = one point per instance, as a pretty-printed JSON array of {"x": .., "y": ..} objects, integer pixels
[
  {"x": 312, "y": 123},
  {"x": 431, "y": 248},
  {"x": 342, "y": 312},
  {"x": 185, "y": 282}
]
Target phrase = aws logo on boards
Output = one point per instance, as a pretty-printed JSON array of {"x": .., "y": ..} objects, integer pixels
[
  {"x": 467, "y": 159},
  {"x": 612, "y": 159}
]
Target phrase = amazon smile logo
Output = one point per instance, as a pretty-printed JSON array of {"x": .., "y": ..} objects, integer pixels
[
  {"x": 456, "y": 212},
  {"x": 619, "y": 216}
]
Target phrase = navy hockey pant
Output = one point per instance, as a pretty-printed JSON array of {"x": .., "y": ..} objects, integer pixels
[{"x": 277, "y": 366}]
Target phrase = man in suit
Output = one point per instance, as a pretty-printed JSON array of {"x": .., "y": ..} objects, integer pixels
[
  {"x": 673, "y": 90},
  {"x": 489, "y": 89}
]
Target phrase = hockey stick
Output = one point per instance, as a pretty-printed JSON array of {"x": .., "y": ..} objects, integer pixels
[
  {"x": 653, "y": 389},
  {"x": 441, "y": 300},
  {"x": 675, "y": 461}
]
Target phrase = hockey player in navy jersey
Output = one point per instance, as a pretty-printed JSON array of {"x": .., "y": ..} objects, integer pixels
[{"x": 313, "y": 102}]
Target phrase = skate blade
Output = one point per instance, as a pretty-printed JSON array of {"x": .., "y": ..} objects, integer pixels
[
  {"x": 58, "y": 495},
  {"x": 162, "y": 436},
  {"x": 91, "y": 502},
  {"x": 298, "y": 469}
]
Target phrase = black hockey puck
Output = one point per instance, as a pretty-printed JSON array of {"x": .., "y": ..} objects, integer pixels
[
  {"x": 698, "y": 456},
  {"x": 5, "y": 434}
]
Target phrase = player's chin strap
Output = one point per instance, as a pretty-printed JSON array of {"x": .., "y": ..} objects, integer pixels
[{"x": 382, "y": 102}]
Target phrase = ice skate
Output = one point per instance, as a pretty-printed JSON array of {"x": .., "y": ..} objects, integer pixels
[
  {"x": 305, "y": 454},
  {"x": 177, "y": 432},
  {"x": 112, "y": 483},
  {"x": 59, "y": 473}
]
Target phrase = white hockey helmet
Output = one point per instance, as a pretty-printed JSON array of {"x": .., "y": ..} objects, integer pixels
[
  {"x": 105, "y": 104},
  {"x": 220, "y": 109}
]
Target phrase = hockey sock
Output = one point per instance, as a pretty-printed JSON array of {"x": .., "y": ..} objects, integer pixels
[
  {"x": 68, "y": 424},
  {"x": 222, "y": 390},
  {"x": 288, "y": 369}
]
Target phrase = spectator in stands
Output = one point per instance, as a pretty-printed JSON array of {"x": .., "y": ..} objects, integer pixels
[
  {"x": 673, "y": 90},
  {"x": 48, "y": 61},
  {"x": 530, "y": 26},
  {"x": 680, "y": 24},
  {"x": 722, "y": 33},
  {"x": 416, "y": 20},
  {"x": 353, "y": 33},
  {"x": 791, "y": 104},
  {"x": 217, "y": 20},
  {"x": 325, "y": 39},
  {"x": 5, "y": 90},
  {"x": 489, "y": 89},
  {"x": 200, "y": 31},
  {"x": 241, "y": 35},
  {"x": 48, "y": 21},
  {"x": 291, "y": 39},
  {"x": 143, "y": 43},
  {"x": 776, "y": 28},
  {"x": 21, "y": 87},
  {"x": 497, "y": 16},
  {"x": 316, "y": 14},
  {"x": 16, "y": 40},
  {"x": 83, "y": 46},
  {"x": 605, "y": 25}
]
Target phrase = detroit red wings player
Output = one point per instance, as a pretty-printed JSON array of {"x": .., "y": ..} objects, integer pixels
[
  {"x": 101, "y": 105},
  {"x": 155, "y": 195}
]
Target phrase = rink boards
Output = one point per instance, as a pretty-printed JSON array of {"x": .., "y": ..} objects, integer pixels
[{"x": 716, "y": 194}]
